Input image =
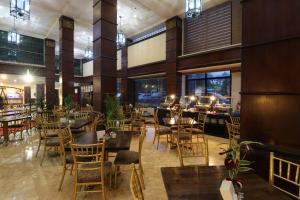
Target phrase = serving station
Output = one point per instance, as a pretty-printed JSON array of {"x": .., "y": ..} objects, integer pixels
[{"x": 218, "y": 110}]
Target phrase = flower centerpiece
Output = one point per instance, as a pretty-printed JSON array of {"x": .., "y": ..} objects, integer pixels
[
  {"x": 70, "y": 105},
  {"x": 234, "y": 163}
]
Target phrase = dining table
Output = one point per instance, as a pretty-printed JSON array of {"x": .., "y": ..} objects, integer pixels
[
  {"x": 172, "y": 121},
  {"x": 203, "y": 183},
  {"x": 121, "y": 142},
  {"x": 9, "y": 119}
]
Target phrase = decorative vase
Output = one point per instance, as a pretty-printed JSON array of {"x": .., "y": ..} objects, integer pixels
[{"x": 227, "y": 190}]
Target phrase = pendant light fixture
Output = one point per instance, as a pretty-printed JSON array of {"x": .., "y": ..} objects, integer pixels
[
  {"x": 20, "y": 9},
  {"x": 88, "y": 54},
  {"x": 121, "y": 40},
  {"x": 193, "y": 8},
  {"x": 13, "y": 37}
]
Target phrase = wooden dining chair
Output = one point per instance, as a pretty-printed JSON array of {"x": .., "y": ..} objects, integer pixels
[
  {"x": 284, "y": 171},
  {"x": 90, "y": 168},
  {"x": 65, "y": 138},
  {"x": 199, "y": 128},
  {"x": 127, "y": 157},
  {"x": 233, "y": 133},
  {"x": 135, "y": 185},
  {"x": 117, "y": 125},
  {"x": 160, "y": 130},
  {"x": 82, "y": 115},
  {"x": 235, "y": 120},
  {"x": 50, "y": 137},
  {"x": 193, "y": 149}
]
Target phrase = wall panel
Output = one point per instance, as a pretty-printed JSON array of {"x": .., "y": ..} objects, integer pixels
[{"x": 148, "y": 51}]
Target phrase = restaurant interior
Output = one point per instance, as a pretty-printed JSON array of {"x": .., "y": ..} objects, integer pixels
[{"x": 149, "y": 99}]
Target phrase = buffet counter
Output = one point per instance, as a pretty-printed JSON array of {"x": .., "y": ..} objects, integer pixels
[{"x": 215, "y": 122}]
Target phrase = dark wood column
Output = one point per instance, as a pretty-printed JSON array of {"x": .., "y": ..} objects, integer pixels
[
  {"x": 66, "y": 48},
  {"x": 40, "y": 90},
  {"x": 27, "y": 94},
  {"x": 173, "y": 50},
  {"x": 124, "y": 79},
  {"x": 270, "y": 74},
  {"x": 49, "y": 46},
  {"x": 105, "y": 51}
]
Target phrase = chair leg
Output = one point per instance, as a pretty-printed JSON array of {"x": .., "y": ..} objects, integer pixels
[
  {"x": 158, "y": 137},
  {"x": 154, "y": 138},
  {"x": 142, "y": 176},
  {"x": 62, "y": 177},
  {"x": 116, "y": 174},
  {"x": 103, "y": 192},
  {"x": 71, "y": 169},
  {"x": 44, "y": 153},
  {"x": 75, "y": 191},
  {"x": 38, "y": 148}
]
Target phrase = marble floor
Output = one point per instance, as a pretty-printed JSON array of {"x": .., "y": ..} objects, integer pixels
[{"x": 22, "y": 177}]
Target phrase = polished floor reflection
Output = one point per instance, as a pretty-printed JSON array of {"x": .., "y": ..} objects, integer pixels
[{"x": 22, "y": 177}]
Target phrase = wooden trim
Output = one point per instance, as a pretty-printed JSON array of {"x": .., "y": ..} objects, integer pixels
[
  {"x": 227, "y": 55},
  {"x": 150, "y": 68}
]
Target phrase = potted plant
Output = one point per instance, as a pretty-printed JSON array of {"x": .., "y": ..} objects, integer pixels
[
  {"x": 40, "y": 103},
  {"x": 236, "y": 164},
  {"x": 113, "y": 108},
  {"x": 69, "y": 103}
]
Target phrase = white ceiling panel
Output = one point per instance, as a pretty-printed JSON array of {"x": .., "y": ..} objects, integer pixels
[{"x": 137, "y": 16}]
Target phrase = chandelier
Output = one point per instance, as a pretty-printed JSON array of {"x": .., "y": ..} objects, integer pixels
[
  {"x": 121, "y": 40},
  {"x": 88, "y": 52},
  {"x": 20, "y": 9},
  {"x": 13, "y": 37},
  {"x": 193, "y": 8}
]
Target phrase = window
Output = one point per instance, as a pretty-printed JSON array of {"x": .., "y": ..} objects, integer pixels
[
  {"x": 212, "y": 83},
  {"x": 150, "y": 92}
]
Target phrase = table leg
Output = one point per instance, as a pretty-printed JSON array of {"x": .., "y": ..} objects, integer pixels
[{"x": 5, "y": 132}]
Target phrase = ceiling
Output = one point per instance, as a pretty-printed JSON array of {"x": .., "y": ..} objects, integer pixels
[{"x": 137, "y": 16}]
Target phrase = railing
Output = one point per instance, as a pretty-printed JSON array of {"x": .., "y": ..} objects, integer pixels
[{"x": 22, "y": 56}]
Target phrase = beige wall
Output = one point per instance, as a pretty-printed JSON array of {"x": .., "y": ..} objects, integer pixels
[
  {"x": 119, "y": 59},
  {"x": 235, "y": 88},
  {"x": 148, "y": 51}
]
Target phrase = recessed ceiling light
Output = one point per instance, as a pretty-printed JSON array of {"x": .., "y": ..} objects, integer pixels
[
  {"x": 15, "y": 81},
  {"x": 118, "y": 7},
  {"x": 134, "y": 16}
]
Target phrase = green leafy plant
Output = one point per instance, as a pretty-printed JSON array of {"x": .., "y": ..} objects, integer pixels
[
  {"x": 69, "y": 103},
  {"x": 234, "y": 163},
  {"x": 40, "y": 102},
  {"x": 113, "y": 108}
]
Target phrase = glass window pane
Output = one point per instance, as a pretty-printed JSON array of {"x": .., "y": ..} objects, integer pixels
[
  {"x": 218, "y": 87},
  {"x": 195, "y": 76},
  {"x": 200, "y": 88},
  {"x": 218, "y": 74},
  {"x": 190, "y": 87},
  {"x": 150, "y": 92}
]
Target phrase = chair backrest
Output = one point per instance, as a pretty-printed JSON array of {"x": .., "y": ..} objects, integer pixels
[
  {"x": 50, "y": 129},
  {"x": 135, "y": 185},
  {"x": 201, "y": 121},
  {"x": 115, "y": 124},
  {"x": 65, "y": 139},
  {"x": 89, "y": 157},
  {"x": 285, "y": 171},
  {"x": 190, "y": 149},
  {"x": 235, "y": 120},
  {"x": 82, "y": 115},
  {"x": 233, "y": 132}
]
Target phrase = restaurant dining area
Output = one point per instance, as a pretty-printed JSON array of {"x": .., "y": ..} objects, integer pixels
[{"x": 149, "y": 99}]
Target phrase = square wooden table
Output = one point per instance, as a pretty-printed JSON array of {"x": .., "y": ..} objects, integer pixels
[
  {"x": 121, "y": 142},
  {"x": 203, "y": 183}
]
